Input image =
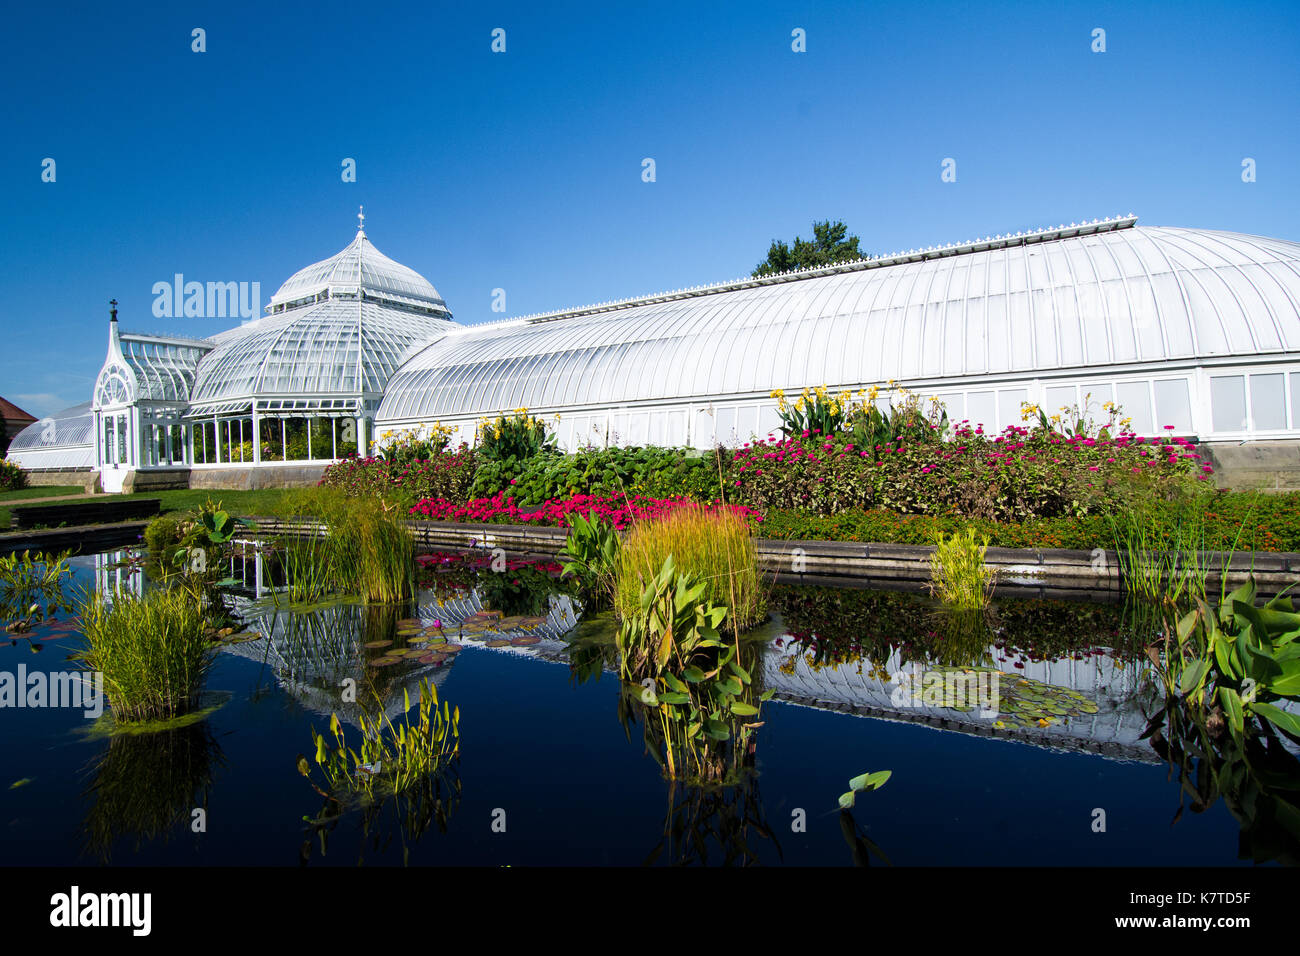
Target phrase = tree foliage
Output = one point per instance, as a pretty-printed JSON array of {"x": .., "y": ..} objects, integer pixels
[{"x": 830, "y": 244}]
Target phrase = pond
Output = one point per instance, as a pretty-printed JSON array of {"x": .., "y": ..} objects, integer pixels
[{"x": 552, "y": 770}]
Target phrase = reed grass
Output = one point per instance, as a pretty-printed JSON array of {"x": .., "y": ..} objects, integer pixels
[
  {"x": 712, "y": 545},
  {"x": 366, "y": 549},
  {"x": 153, "y": 651},
  {"x": 958, "y": 575},
  {"x": 1162, "y": 551}
]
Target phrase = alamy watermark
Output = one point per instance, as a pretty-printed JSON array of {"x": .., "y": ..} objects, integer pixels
[
  {"x": 213, "y": 300},
  {"x": 74, "y": 689}
]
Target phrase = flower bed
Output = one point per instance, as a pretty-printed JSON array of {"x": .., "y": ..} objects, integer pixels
[
  {"x": 620, "y": 512},
  {"x": 1265, "y": 522},
  {"x": 446, "y": 474},
  {"x": 1020, "y": 474}
]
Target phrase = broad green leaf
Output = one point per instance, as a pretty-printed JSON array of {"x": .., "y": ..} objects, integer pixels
[
  {"x": 847, "y": 800},
  {"x": 1278, "y": 717},
  {"x": 1191, "y": 676},
  {"x": 1231, "y": 702},
  {"x": 741, "y": 709}
]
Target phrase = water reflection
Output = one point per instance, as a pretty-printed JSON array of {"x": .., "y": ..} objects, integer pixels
[{"x": 148, "y": 786}]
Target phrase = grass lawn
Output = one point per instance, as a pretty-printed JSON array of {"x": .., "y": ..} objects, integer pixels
[
  {"x": 47, "y": 491},
  {"x": 240, "y": 503}
]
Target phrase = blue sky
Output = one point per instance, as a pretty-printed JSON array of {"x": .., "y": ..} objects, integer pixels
[{"x": 522, "y": 170}]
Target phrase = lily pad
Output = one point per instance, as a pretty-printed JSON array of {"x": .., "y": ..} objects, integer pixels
[
  {"x": 498, "y": 642},
  {"x": 376, "y": 644},
  {"x": 527, "y": 641}
]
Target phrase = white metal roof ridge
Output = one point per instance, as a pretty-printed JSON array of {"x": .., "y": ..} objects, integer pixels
[
  {"x": 1046, "y": 234},
  {"x": 166, "y": 338}
]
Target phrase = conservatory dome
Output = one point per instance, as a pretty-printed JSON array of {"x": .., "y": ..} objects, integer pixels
[
  {"x": 359, "y": 268},
  {"x": 336, "y": 329}
]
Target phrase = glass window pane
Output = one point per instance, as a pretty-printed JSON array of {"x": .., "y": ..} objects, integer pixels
[
  {"x": 1173, "y": 405},
  {"x": 1268, "y": 402},
  {"x": 981, "y": 410},
  {"x": 1228, "y": 401},
  {"x": 1009, "y": 401},
  {"x": 1134, "y": 399},
  {"x": 1058, "y": 397}
]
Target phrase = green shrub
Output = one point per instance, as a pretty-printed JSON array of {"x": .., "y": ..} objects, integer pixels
[
  {"x": 12, "y": 477},
  {"x": 602, "y": 473}
]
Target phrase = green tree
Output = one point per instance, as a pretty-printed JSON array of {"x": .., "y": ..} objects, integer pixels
[{"x": 830, "y": 244}]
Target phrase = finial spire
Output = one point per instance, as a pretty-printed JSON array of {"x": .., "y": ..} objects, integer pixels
[
  {"x": 361, "y": 221},
  {"x": 112, "y": 313}
]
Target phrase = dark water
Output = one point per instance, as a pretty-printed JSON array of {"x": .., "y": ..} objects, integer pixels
[{"x": 547, "y": 753}]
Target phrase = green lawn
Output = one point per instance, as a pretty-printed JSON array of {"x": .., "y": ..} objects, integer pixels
[
  {"x": 48, "y": 491},
  {"x": 240, "y": 503}
]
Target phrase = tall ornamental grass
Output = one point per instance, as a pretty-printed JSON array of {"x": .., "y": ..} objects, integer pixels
[
  {"x": 152, "y": 651},
  {"x": 712, "y": 545},
  {"x": 366, "y": 548}
]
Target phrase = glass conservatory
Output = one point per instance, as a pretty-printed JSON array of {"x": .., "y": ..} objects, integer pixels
[
  {"x": 1187, "y": 328},
  {"x": 303, "y": 382},
  {"x": 1184, "y": 328}
]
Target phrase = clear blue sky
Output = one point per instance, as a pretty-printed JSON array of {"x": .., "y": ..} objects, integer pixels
[{"x": 522, "y": 170}]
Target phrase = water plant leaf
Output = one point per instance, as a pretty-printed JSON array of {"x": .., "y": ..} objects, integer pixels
[
  {"x": 847, "y": 800},
  {"x": 1283, "y": 720},
  {"x": 741, "y": 709},
  {"x": 870, "y": 781}
]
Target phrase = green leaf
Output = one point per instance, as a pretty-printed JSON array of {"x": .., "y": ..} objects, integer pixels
[
  {"x": 741, "y": 709},
  {"x": 870, "y": 781},
  {"x": 674, "y": 697},
  {"x": 693, "y": 674},
  {"x": 1191, "y": 676},
  {"x": 1231, "y": 702},
  {"x": 717, "y": 729},
  {"x": 847, "y": 800},
  {"x": 1278, "y": 717}
]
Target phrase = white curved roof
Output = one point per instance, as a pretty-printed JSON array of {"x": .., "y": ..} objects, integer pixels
[
  {"x": 339, "y": 327},
  {"x": 360, "y": 266},
  {"x": 1099, "y": 294},
  {"x": 63, "y": 440}
]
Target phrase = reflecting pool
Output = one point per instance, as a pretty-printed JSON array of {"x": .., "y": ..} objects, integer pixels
[{"x": 553, "y": 761}]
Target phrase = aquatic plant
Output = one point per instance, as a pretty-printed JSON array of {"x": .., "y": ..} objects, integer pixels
[
  {"x": 959, "y": 576},
  {"x": 365, "y": 548},
  {"x": 147, "y": 786},
  {"x": 710, "y": 545},
  {"x": 590, "y": 554},
  {"x": 1254, "y": 774},
  {"x": 392, "y": 758},
  {"x": 1235, "y": 663},
  {"x": 863, "y": 783},
  {"x": 32, "y": 588},
  {"x": 152, "y": 650},
  {"x": 700, "y": 698}
]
